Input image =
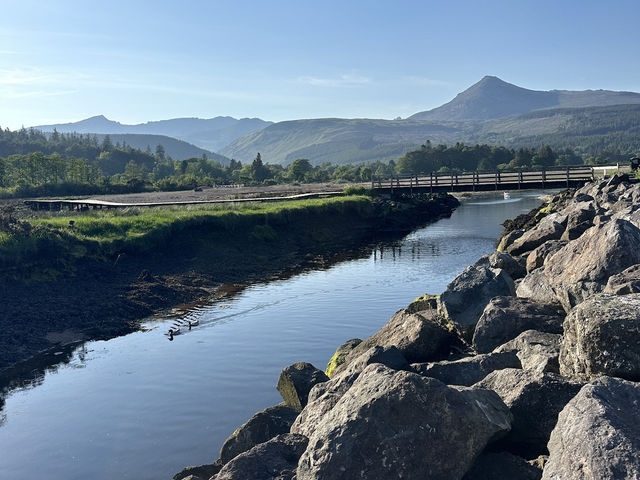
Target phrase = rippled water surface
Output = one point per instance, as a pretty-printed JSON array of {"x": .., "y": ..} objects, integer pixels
[{"x": 142, "y": 407}]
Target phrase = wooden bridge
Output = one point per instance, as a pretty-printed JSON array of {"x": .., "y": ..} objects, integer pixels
[{"x": 559, "y": 177}]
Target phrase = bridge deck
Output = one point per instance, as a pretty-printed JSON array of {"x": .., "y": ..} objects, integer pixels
[{"x": 483, "y": 181}]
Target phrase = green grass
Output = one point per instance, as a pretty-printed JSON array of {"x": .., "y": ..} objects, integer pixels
[
  {"x": 104, "y": 234},
  {"x": 131, "y": 224}
]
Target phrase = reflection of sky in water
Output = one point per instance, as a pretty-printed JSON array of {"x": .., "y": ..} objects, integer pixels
[{"x": 142, "y": 407}]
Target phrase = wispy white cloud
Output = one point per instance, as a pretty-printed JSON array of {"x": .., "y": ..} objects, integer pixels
[
  {"x": 12, "y": 94},
  {"x": 344, "y": 80},
  {"x": 419, "y": 81}
]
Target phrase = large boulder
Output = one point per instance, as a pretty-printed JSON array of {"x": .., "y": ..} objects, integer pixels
[
  {"x": 536, "y": 287},
  {"x": 514, "y": 267},
  {"x": 538, "y": 255},
  {"x": 397, "y": 424},
  {"x": 502, "y": 465},
  {"x": 324, "y": 396},
  {"x": 602, "y": 337},
  {"x": 296, "y": 381},
  {"x": 550, "y": 227},
  {"x": 504, "y": 318},
  {"x": 598, "y": 434},
  {"x": 273, "y": 460},
  {"x": 579, "y": 219},
  {"x": 258, "y": 429},
  {"x": 583, "y": 267},
  {"x": 341, "y": 353},
  {"x": 625, "y": 282},
  {"x": 466, "y": 296},
  {"x": 420, "y": 337},
  {"x": 507, "y": 239},
  {"x": 469, "y": 370},
  {"x": 536, "y": 350},
  {"x": 535, "y": 399}
]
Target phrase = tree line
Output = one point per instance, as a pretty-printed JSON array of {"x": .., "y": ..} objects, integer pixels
[{"x": 34, "y": 163}]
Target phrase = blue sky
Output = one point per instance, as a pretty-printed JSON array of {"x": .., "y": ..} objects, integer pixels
[{"x": 135, "y": 61}]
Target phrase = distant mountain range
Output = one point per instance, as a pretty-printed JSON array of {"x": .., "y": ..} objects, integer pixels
[
  {"x": 490, "y": 111},
  {"x": 211, "y": 134},
  {"x": 493, "y": 98}
]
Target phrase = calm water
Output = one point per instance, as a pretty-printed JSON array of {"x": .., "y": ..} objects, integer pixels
[{"x": 142, "y": 407}]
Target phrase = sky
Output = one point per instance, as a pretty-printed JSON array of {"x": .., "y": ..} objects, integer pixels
[{"x": 136, "y": 61}]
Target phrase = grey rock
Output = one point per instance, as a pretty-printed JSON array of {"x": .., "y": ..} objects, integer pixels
[
  {"x": 507, "y": 240},
  {"x": 602, "y": 337},
  {"x": 273, "y": 460},
  {"x": 538, "y": 255},
  {"x": 324, "y": 396},
  {"x": 504, "y": 466},
  {"x": 550, "y": 227},
  {"x": 420, "y": 337},
  {"x": 598, "y": 434},
  {"x": 583, "y": 266},
  {"x": 469, "y": 370},
  {"x": 200, "y": 472},
  {"x": 535, "y": 399},
  {"x": 341, "y": 353},
  {"x": 504, "y": 318},
  {"x": 579, "y": 218},
  {"x": 397, "y": 424},
  {"x": 625, "y": 282},
  {"x": 536, "y": 350},
  {"x": 466, "y": 296},
  {"x": 536, "y": 287},
  {"x": 514, "y": 267},
  {"x": 258, "y": 429},
  {"x": 295, "y": 382}
]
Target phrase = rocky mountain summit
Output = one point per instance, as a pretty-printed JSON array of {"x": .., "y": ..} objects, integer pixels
[{"x": 526, "y": 367}]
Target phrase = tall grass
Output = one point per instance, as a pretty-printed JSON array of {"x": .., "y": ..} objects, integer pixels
[{"x": 103, "y": 234}]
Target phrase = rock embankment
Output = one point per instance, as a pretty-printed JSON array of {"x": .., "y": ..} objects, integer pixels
[{"x": 526, "y": 367}]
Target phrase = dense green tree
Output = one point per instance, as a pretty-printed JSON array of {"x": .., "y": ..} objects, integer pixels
[{"x": 299, "y": 168}]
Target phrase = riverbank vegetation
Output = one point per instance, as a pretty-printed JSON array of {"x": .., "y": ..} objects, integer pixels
[
  {"x": 36, "y": 164},
  {"x": 99, "y": 273}
]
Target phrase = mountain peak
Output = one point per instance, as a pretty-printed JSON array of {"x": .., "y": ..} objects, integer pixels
[{"x": 491, "y": 97}]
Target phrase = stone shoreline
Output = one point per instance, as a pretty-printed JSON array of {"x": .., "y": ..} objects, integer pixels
[{"x": 525, "y": 367}]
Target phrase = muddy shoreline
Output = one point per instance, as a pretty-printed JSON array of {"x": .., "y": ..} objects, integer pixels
[{"x": 101, "y": 300}]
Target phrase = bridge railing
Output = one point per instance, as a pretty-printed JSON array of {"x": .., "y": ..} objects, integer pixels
[{"x": 498, "y": 179}]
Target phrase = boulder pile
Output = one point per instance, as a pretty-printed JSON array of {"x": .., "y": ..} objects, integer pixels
[{"x": 526, "y": 367}]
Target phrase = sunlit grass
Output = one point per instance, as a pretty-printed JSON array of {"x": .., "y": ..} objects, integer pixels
[{"x": 106, "y": 226}]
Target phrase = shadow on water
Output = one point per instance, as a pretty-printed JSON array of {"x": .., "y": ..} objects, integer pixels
[{"x": 32, "y": 373}]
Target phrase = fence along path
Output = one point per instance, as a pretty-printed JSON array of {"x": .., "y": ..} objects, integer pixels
[{"x": 485, "y": 181}]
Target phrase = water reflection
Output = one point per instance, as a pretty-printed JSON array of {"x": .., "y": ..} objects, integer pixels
[{"x": 142, "y": 407}]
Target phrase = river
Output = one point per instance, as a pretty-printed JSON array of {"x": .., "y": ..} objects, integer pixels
[{"x": 142, "y": 407}]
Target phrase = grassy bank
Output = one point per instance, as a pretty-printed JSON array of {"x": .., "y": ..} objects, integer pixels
[{"x": 54, "y": 243}]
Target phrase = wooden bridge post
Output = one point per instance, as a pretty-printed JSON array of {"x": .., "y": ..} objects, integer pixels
[
  {"x": 473, "y": 181},
  {"x": 411, "y": 185},
  {"x": 391, "y": 184},
  {"x": 544, "y": 177},
  {"x": 451, "y": 176},
  {"x": 567, "y": 177},
  {"x": 431, "y": 182},
  {"x": 519, "y": 180}
]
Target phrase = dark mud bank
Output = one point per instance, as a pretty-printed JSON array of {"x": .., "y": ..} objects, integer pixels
[{"x": 103, "y": 299}]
